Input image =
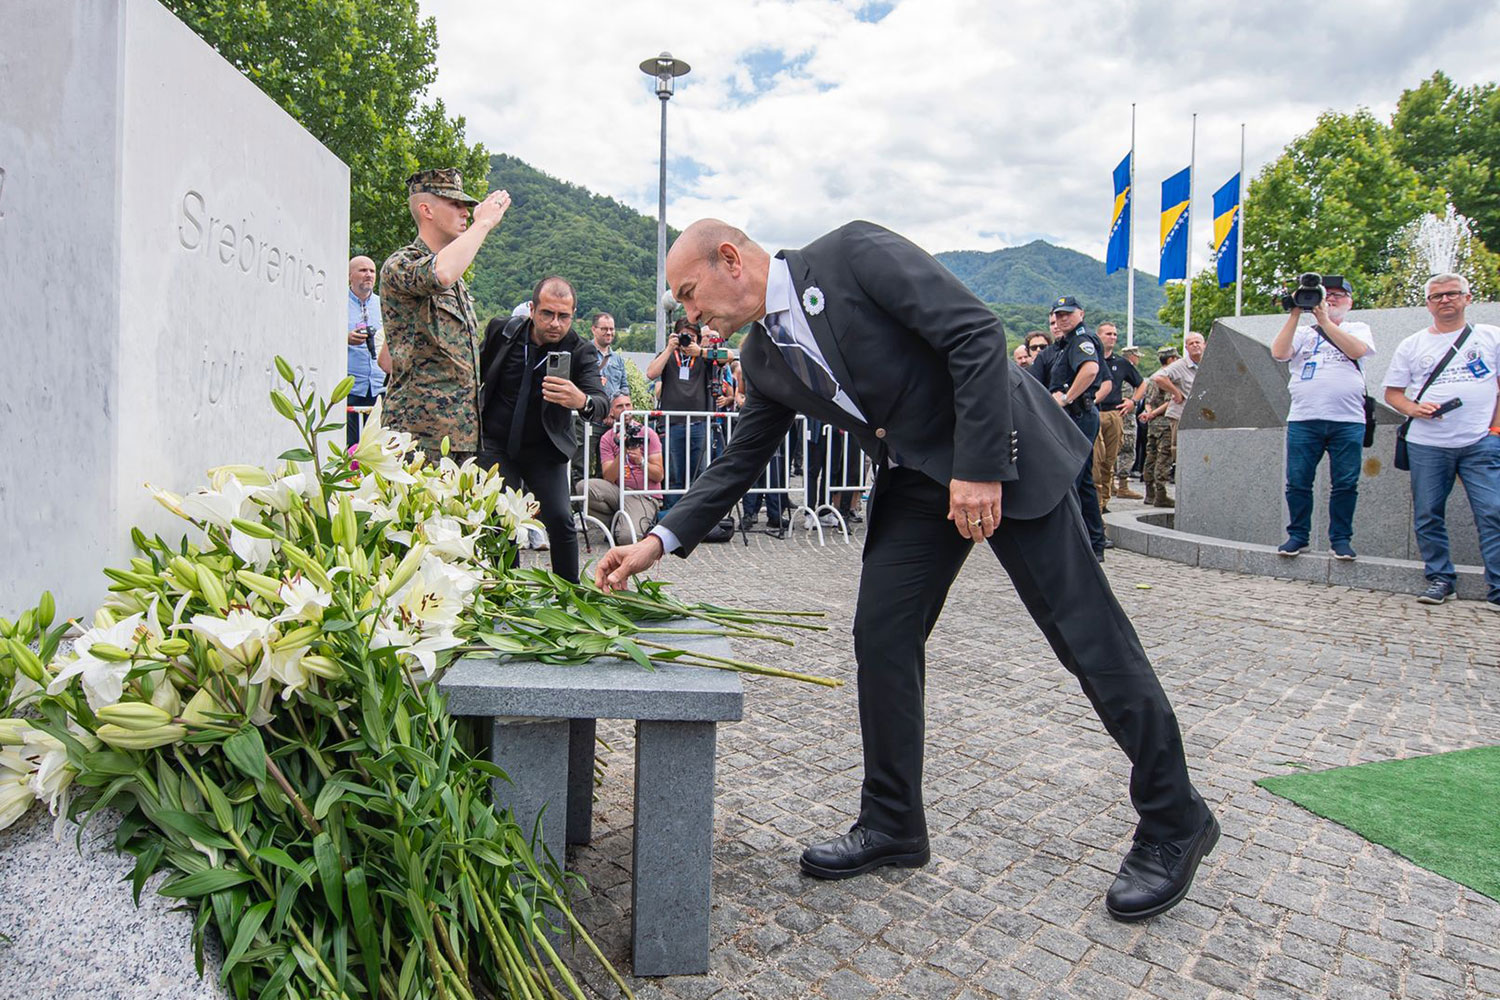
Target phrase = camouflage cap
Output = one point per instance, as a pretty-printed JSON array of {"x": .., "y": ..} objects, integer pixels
[
  {"x": 445, "y": 182},
  {"x": 1167, "y": 351}
]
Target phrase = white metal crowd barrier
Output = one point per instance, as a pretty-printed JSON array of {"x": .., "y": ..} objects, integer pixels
[{"x": 715, "y": 430}]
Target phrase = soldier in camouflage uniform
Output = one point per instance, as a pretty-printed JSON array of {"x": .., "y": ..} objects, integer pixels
[
  {"x": 430, "y": 325},
  {"x": 1126, "y": 459},
  {"x": 1159, "y": 439}
]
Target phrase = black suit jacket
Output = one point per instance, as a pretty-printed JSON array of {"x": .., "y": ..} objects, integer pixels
[
  {"x": 500, "y": 337},
  {"x": 922, "y": 358}
]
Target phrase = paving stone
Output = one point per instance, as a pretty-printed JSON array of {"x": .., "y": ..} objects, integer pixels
[{"x": 1027, "y": 804}]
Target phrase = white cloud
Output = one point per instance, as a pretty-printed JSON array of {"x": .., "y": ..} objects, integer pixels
[{"x": 960, "y": 123}]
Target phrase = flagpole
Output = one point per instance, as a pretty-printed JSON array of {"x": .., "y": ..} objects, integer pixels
[
  {"x": 1239, "y": 232},
  {"x": 1187, "y": 298},
  {"x": 1130, "y": 244}
]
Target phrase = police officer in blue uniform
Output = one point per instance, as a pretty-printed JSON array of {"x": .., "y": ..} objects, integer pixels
[{"x": 1075, "y": 375}]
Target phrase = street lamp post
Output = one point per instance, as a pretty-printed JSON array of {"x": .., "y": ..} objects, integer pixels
[{"x": 665, "y": 69}]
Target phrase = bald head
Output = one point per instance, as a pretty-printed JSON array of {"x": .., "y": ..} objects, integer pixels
[
  {"x": 718, "y": 274},
  {"x": 361, "y": 276}
]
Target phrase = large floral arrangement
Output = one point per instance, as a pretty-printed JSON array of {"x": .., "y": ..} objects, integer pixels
[{"x": 255, "y": 700}]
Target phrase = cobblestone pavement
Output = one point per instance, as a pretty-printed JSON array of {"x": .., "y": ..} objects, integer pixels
[{"x": 1027, "y": 799}]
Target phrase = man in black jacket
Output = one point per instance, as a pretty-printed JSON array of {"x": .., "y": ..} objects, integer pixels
[
  {"x": 526, "y": 415},
  {"x": 865, "y": 330}
]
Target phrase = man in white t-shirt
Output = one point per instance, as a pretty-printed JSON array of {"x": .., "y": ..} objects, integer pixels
[
  {"x": 1327, "y": 414},
  {"x": 1444, "y": 443}
]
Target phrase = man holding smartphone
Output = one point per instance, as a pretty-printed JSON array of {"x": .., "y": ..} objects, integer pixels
[{"x": 537, "y": 374}]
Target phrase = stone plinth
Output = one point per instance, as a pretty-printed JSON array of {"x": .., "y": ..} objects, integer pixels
[
  {"x": 542, "y": 733},
  {"x": 165, "y": 230},
  {"x": 1231, "y": 445}
]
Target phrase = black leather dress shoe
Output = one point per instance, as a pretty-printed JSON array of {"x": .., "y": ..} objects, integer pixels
[
  {"x": 1156, "y": 874},
  {"x": 861, "y": 850}
]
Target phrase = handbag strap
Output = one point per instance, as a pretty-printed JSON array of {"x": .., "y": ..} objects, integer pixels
[
  {"x": 1354, "y": 361},
  {"x": 1438, "y": 370}
]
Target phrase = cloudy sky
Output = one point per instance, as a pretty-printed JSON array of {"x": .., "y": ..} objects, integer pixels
[{"x": 963, "y": 124}]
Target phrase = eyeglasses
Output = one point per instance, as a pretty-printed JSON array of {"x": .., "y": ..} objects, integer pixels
[{"x": 1440, "y": 296}]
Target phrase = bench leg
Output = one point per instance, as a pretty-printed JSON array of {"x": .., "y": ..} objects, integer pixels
[
  {"x": 581, "y": 780},
  {"x": 534, "y": 753},
  {"x": 674, "y": 826}
]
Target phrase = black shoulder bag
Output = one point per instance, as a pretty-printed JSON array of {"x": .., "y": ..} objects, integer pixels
[
  {"x": 1369, "y": 403},
  {"x": 1402, "y": 460}
]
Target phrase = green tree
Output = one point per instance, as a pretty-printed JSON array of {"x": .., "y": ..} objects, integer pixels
[
  {"x": 1451, "y": 137},
  {"x": 353, "y": 73},
  {"x": 1210, "y": 302},
  {"x": 1330, "y": 203}
]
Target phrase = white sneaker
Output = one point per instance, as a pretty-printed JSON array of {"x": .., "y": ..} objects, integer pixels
[
  {"x": 808, "y": 521},
  {"x": 828, "y": 519},
  {"x": 537, "y": 539}
]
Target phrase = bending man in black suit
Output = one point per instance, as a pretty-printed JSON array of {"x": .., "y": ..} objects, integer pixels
[{"x": 865, "y": 330}]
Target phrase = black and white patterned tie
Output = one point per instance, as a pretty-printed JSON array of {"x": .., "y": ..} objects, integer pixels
[{"x": 803, "y": 365}]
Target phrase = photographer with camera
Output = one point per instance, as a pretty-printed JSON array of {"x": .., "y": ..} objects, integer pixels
[
  {"x": 537, "y": 374},
  {"x": 685, "y": 374},
  {"x": 641, "y": 456},
  {"x": 1322, "y": 350},
  {"x": 1442, "y": 379}
]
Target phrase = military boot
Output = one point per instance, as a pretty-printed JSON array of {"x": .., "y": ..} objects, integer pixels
[
  {"x": 1123, "y": 490},
  {"x": 1160, "y": 499}
]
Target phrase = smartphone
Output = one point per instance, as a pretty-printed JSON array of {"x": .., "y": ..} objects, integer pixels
[
  {"x": 560, "y": 364},
  {"x": 1451, "y": 404}
]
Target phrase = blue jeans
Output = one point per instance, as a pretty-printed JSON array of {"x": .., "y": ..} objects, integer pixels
[
  {"x": 1306, "y": 441},
  {"x": 1432, "y": 472},
  {"x": 684, "y": 445}
]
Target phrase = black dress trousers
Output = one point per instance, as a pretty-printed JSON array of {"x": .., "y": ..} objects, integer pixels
[
  {"x": 544, "y": 472},
  {"x": 912, "y": 555}
]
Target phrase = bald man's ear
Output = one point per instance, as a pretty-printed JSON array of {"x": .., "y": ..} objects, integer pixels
[{"x": 729, "y": 256}]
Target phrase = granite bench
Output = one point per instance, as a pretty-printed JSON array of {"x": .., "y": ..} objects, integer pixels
[{"x": 542, "y": 733}]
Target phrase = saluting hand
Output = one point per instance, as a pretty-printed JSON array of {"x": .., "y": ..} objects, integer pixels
[{"x": 489, "y": 212}]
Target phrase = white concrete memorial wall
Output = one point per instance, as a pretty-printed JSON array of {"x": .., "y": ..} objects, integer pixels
[{"x": 165, "y": 231}]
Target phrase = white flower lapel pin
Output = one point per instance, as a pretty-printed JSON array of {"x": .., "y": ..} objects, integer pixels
[{"x": 812, "y": 300}]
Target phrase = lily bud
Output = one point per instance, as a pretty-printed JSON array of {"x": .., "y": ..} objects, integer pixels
[
  {"x": 168, "y": 499},
  {"x": 25, "y": 660},
  {"x": 46, "y": 610},
  {"x": 212, "y": 589},
  {"x": 322, "y": 666},
  {"x": 26, "y": 623},
  {"x": 297, "y": 638},
  {"x": 173, "y": 647},
  {"x": 7, "y": 627},
  {"x": 359, "y": 562},
  {"x": 183, "y": 572},
  {"x": 136, "y": 716},
  {"x": 310, "y": 567},
  {"x": 249, "y": 475},
  {"x": 283, "y": 405},
  {"x": 341, "y": 391},
  {"x": 130, "y": 739},
  {"x": 443, "y": 447},
  {"x": 263, "y": 585},
  {"x": 103, "y": 619},
  {"x": 252, "y": 528},
  {"x": 345, "y": 524},
  {"x": 12, "y": 731},
  {"x": 406, "y": 569},
  {"x": 110, "y": 652}
]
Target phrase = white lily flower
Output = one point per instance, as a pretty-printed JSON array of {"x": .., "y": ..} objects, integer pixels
[
  {"x": 279, "y": 494},
  {"x": 284, "y": 667},
  {"x": 218, "y": 506},
  {"x": 53, "y": 774},
  {"x": 240, "y": 635},
  {"x": 304, "y": 599},
  {"x": 15, "y": 796},
  {"x": 103, "y": 680},
  {"x": 380, "y": 450},
  {"x": 463, "y": 580},
  {"x": 429, "y": 600},
  {"x": 445, "y": 536},
  {"x": 424, "y": 649}
]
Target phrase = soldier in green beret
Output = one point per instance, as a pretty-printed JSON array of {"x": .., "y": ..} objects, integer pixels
[{"x": 430, "y": 324}]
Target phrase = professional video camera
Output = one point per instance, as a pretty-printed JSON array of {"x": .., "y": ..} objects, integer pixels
[
  {"x": 1308, "y": 294},
  {"x": 717, "y": 356},
  {"x": 635, "y": 434}
]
